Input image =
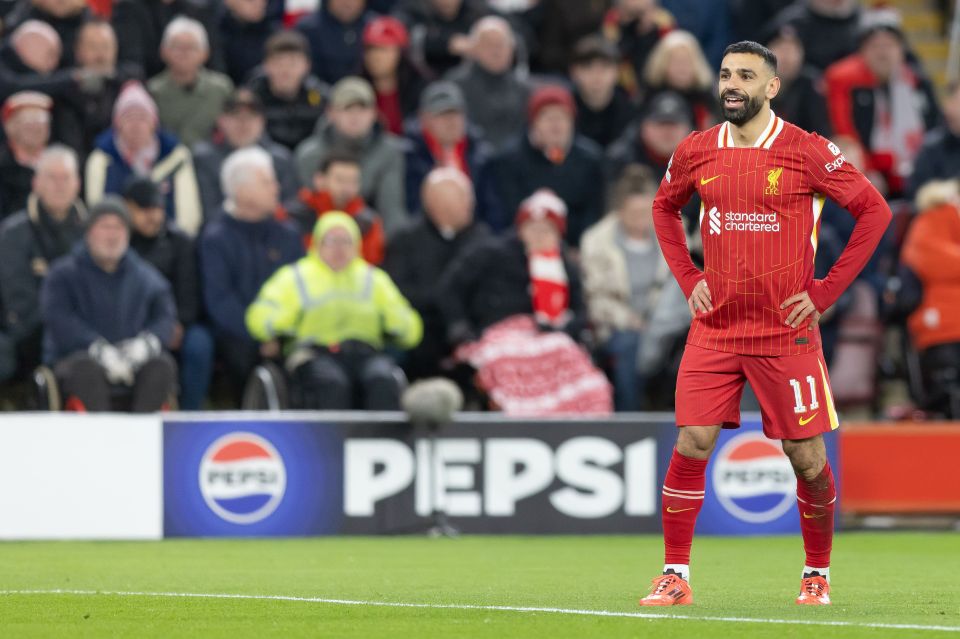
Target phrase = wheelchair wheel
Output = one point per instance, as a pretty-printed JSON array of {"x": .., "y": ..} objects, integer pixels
[
  {"x": 266, "y": 389},
  {"x": 47, "y": 390}
]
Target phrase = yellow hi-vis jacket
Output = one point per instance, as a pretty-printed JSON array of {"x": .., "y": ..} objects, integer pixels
[{"x": 310, "y": 302}]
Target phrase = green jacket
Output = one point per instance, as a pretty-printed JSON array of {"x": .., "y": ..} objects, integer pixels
[{"x": 315, "y": 305}]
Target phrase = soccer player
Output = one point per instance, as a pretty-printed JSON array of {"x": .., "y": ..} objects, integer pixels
[{"x": 756, "y": 305}]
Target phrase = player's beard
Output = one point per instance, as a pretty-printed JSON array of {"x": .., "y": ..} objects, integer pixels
[{"x": 744, "y": 113}]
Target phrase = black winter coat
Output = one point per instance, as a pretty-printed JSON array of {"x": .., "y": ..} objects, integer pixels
[{"x": 174, "y": 254}]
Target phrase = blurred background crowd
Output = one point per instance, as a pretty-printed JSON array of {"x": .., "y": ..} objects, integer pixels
[{"x": 357, "y": 189}]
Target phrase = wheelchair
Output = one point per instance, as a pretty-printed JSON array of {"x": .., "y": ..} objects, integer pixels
[{"x": 48, "y": 397}]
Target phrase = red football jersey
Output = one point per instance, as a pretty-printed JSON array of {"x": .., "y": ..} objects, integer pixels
[{"x": 759, "y": 221}]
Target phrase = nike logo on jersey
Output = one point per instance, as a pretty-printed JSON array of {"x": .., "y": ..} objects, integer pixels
[
  {"x": 815, "y": 516},
  {"x": 804, "y": 422},
  {"x": 671, "y": 509},
  {"x": 708, "y": 181}
]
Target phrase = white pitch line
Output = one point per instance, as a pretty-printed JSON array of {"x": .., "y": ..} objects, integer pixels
[{"x": 560, "y": 611}]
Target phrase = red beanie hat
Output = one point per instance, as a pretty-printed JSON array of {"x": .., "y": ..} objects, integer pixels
[
  {"x": 549, "y": 95},
  {"x": 385, "y": 31},
  {"x": 544, "y": 204}
]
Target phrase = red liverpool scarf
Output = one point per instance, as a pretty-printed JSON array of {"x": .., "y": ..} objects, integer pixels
[{"x": 549, "y": 287}]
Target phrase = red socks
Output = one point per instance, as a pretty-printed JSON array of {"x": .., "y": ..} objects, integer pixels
[
  {"x": 682, "y": 500},
  {"x": 816, "y": 499}
]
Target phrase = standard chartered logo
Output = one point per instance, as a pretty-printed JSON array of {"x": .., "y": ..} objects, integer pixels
[
  {"x": 752, "y": 222},
  {"x": 714, "y": 221}
]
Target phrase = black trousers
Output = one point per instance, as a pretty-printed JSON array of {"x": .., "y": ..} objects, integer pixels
[
  {"x": 941, "y": 377},
  {"x": 351, "y": 377},
  {"x": 82, "y": 378}
]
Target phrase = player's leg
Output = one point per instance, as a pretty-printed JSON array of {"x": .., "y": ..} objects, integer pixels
[{"x": 708, "y": 396}]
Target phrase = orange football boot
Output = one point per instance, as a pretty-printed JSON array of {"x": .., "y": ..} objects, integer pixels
[
  {"x": 669, "y": 590},
  {"x": 814, "y": 591}
]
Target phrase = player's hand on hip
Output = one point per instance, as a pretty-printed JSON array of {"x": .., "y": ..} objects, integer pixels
[
  {"x": 802, "y": 310},
  {"x": 700, "y": 301}
]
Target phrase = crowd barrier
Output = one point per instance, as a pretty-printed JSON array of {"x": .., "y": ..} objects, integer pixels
[{"x": 295, "y": 474}]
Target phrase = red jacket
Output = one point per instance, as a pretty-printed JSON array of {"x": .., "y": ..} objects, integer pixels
[{"x": 371, "y": 226}]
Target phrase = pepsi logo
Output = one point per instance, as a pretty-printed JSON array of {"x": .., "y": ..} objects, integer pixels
[
  {"x": 242, "y": 478},
  {"x": 753, "y": 479}
]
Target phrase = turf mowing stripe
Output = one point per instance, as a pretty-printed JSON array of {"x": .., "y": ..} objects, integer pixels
[{"x": 561, "y": 611}]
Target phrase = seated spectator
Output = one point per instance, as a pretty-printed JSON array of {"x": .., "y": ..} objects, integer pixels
[
  {"x": 82, "y": 114},
  {"x": 293, "y": 99},
  {"x": 652, "y": 141},
  {"x": 496, "y": 94},
  {"x": 879, "y": 99},
  {"x": 441, "y": 28},
  {"x": 559, "y": 24},
  {"x": 335, "y": 35},
  {"x": 636, "y": 307},
  {"x": 636, "y": 26},
  {"x": 932, "y": 250},
  {"x": 189, "y": 97},
  {"x": 827, "y": 28},
  {"x": 603, "y": 108},
  {"x": 800, "y": 100},
  {"x": 30, "y": 241},
  {"x": 107, "y": 317},
  {"x": 173, "y": 253},
  {"x": 421, "y": 251},
  {"x": 939, "y": 157},
  {"x": 65, "y": 16},
  {"x": 245, "y": 28},
  {"x": 238, "y": 252},
  {"x": 339, "y": 342},
  {"x": 336, "y": 188},
  {"x": 351, "y": 124},
  {"x": 26, "y": 124},
  {"x": 396, "y": 80},
  {"x": 552, "y": 156},
  {"x": 29, "y": 59},
  {"x": 241, "y": 124},
  {"x": 677, "y": 64},
  {"x": 135, "y": 145},
  {"x": 441, "y": 137}
]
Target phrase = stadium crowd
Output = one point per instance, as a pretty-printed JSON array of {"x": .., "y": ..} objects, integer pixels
[{"x": 354, "y": 187}]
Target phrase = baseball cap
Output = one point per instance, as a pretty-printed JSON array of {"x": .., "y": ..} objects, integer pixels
[
  {"x": 551, "y": 94},
  {"x": 352, "y": 91},
  {"x": 109, "y": 205},
  {"x": 143, "y": 192},
  {"x": 241, "y": 99},
  {"x": 25, "y": 100},
  {"x": 441, "y": 97},
  {"x": 667, "y": 107},
  {"x": 385, "y": 31}
]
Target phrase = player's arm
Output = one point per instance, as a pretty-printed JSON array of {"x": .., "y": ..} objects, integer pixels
[
  {"x": 846, "y": 185},
  {"x": 674, "y": 192}
]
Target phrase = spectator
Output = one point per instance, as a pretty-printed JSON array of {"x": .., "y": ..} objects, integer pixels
[
  {"x": 107, "y": 317},
  {"x": 552, "y": 156},
  {"x": 440, "y": 29},
  {"x": 351, "y": 124},
  {"x": 496, "y": 94},
  {"x": 827, "y": 28},
  {"x": 293, "y": 99},
  {"x": 939, "y": 157},
  {"x": 800, "y": 100},
  {"x": 421, "y": 251},
  {"x": 135, "y": 145},
  {"x": 559, "y": 24},
  {"x": 334, "y": 33},
  {"x": 336, "y": 188},
  {"x": 441, "y": 137},
  {"x": 29, "y": 60},
  {"x": 339, "y": 343},
  {"x": 603, "y": 108},
  {"x": 81, "y": 115},
  {"x": 245, "y": 28},
  {"x": 173, "y": 253},
  {"x": 677, "y": 64},
  {"x": 496, "y": 280},
  {"x": 26, "y": 124},
  {"x": 238, "y": 252},
  {"x": 396, "y": 80},
  {"x": 31, "y": 240},
  {"x": 636, "y": 307},
  {"x": 877, "y": 98},
  {"x": 708, "y": 21},
  {"x": 189, "y": 97},
  {"x": 652, "y": 141},
  {"x": 636, "y": 26},
  {"x": 932, "y": 250},
  {"x": 65, "y": 16},
  {"x": 241, "y": 124}
]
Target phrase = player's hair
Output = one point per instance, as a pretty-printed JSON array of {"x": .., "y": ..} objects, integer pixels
[
  {"x": 337, "y": 156},
  {"x": 636, "y": 179},
  {"x": 749, "y": 46},
  {"x": 655, "y": 70}
]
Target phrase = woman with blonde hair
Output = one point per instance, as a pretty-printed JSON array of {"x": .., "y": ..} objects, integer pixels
[{"x": 677, "y": 64}]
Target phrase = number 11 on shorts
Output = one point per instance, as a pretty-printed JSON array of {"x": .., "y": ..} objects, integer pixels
[{"x": 798, "y": 395}]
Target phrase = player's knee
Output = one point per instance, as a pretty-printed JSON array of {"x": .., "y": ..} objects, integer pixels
[
  {"x": 697, "y": 442},
  {"x": 807, "y": 456}
]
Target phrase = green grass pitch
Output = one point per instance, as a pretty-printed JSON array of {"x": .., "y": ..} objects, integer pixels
[{"x": 905, "y": 579}]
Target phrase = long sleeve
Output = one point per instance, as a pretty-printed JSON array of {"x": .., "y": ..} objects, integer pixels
[
  {"x": 186, "y": 287},
  {"x": 18, "y": 285},
  {"x": 390, "y": 200},
  {"x": 674, "y": 192},
  {"x": 163, "y": 313},
  {"x": 64, "y": 326},
  {"x": 222, "y": 301},
  {"x": 278, "y": 306},
  {"x": 401, "y": 322}
]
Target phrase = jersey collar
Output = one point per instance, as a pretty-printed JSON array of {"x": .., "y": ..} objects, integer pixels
[{"x": 763, "y": 141}]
